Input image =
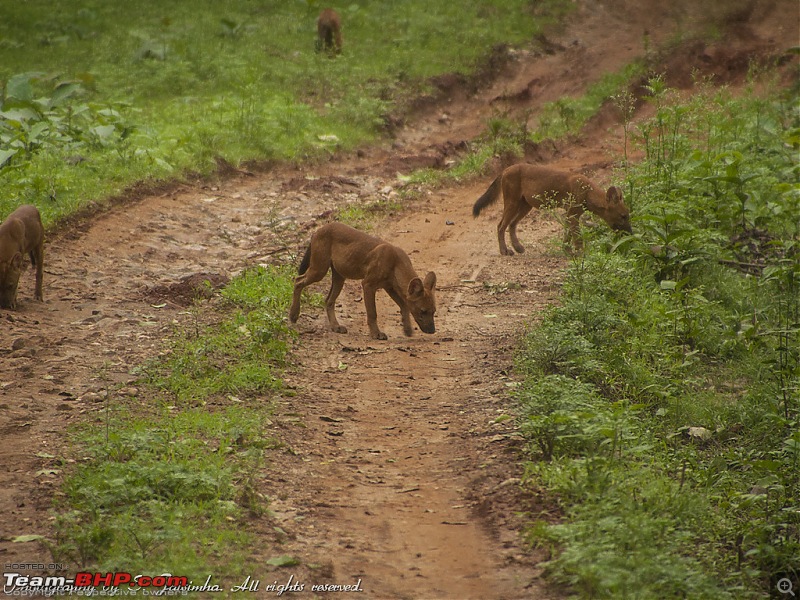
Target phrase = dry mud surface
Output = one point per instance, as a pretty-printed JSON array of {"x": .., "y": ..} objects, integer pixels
[{"x": 400, "y": 472}]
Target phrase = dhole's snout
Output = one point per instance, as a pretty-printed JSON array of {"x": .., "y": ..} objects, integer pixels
[
  {"x": 7, "y": 300},
  {"x": 626, "y": 227},
  {"x": 425, "y": 320},
  {"x": 427, "y": 327}
]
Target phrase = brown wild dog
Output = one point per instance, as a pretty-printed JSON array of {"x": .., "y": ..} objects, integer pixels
[
  {"x": 352, "y": 254},
  {"x": 527, "y": 186},
  {"x": 329, "y": 32},
  {"x": 20, "y": 234}
]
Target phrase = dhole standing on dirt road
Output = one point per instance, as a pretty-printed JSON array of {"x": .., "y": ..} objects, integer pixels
[
  {"x": 525, "y": 187},
  {"x": 20, "y": 234},
  {"x": 352, "y": 254}
]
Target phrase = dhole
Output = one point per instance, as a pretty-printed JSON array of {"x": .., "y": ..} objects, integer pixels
[
  {"x": 528, "y": 186},
  {"x": 20, "y": 234},
  {"x": 329, "y": 32},
  {"x": 352, "y": 254}
]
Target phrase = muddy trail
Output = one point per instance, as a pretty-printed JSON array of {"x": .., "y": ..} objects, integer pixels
[{"x": 401, "y": 473}]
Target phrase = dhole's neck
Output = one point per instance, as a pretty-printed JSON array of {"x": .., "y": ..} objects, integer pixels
[
  {"x": 402, "y": 277},
  {"x": 596, "y": 202},
  {"x": 401, "y": 281}
]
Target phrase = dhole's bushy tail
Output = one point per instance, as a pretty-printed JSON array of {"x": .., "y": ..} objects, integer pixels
[
  {"x": 490, "y": 196},
  {"x": 305, "y": 262}
]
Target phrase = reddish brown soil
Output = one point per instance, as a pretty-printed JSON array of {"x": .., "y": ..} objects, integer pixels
[{"x": 400, "y": 472}]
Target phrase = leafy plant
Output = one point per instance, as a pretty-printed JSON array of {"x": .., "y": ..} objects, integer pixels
[
  {"x": 239, "y": 355},
  {"x": 158, "y": 468},
  {"x": 30, "y": 123},
  {"x": 662, "y": 397}
]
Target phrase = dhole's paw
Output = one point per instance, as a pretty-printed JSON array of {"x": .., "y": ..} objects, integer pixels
[
  {"x": 507, "y": 252},
  {"x": 380, "y": 336},
  {"x": 339, "y": 329}
]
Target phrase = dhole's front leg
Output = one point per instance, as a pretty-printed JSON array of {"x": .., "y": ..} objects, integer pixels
[
  {"x": 372, "y": 311},
  {"x": 572, "y": 236},
  {"x": 405, "y": 314},
  {"x": 337, "y": 282}
]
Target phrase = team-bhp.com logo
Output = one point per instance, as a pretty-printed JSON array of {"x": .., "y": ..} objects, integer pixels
[
  {"x": 83, "y": 582},
  {"x": 119, "y": 579}
]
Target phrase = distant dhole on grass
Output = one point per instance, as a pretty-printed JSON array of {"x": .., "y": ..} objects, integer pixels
[
  {"x": 329, "y": 32},
  {"x": 352, "y": 254},
  {"x": 525, "y": 187}
]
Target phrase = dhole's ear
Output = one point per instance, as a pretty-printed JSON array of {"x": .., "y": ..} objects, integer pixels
[
  {"x": 430, "y": 280},
  {"x": 415, "y": 289},
  {"x": 614, "y": 195},
  {"x": 16, "y": 261}
]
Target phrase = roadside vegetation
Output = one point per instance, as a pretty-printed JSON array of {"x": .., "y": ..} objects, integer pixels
[
  {"x": 170, "y": 483},
  {"x": 508, "y": 136},
  {"x": 661, "y": 399},
  {"x": 98, "y": 96}
]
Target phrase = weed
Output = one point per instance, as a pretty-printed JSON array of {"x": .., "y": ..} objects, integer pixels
[
  {"x": 507, "y": 138},
  {"x": 661, "y": 399},
  {"x": 191, "y": 453},
  {"x": 566, "y": 116}
]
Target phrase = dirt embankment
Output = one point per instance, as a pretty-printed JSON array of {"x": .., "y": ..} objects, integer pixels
[{"x": 403, "y": 475}]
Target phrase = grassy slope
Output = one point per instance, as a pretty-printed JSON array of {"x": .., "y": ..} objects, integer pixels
[
  {"x": 662, "y": 399},
  {"x": 195, "y": 80}
]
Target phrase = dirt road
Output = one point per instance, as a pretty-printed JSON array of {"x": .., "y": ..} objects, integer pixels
[
  {"x": 407, "y": 440},
  {"x": 406, "y": 473}
]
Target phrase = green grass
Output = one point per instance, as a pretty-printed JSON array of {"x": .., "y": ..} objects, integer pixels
[
  {"x": 243, "y": 354},
  {"x": 506, "y": 136},
  {"x": 138, "y": 496},
  {"x": 363, "y": 216},
  {"x": 662, "y": 397},
  {"x": 168, "y": 479},
  {"x": 149, "y": 90},
  {"x": 567, "y": 116}
]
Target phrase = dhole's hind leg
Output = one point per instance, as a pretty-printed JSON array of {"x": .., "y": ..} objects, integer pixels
[
  {"x": 337, "y": 282},
  {"x": 523, "y": 210},
  {"x": 501, "y": 239},
  {"x": 294, "y": 310},
  {"x": 312, "y": 275},
  {"x": 37, "y": 257},
  {"x": 505, "y": 221}
]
